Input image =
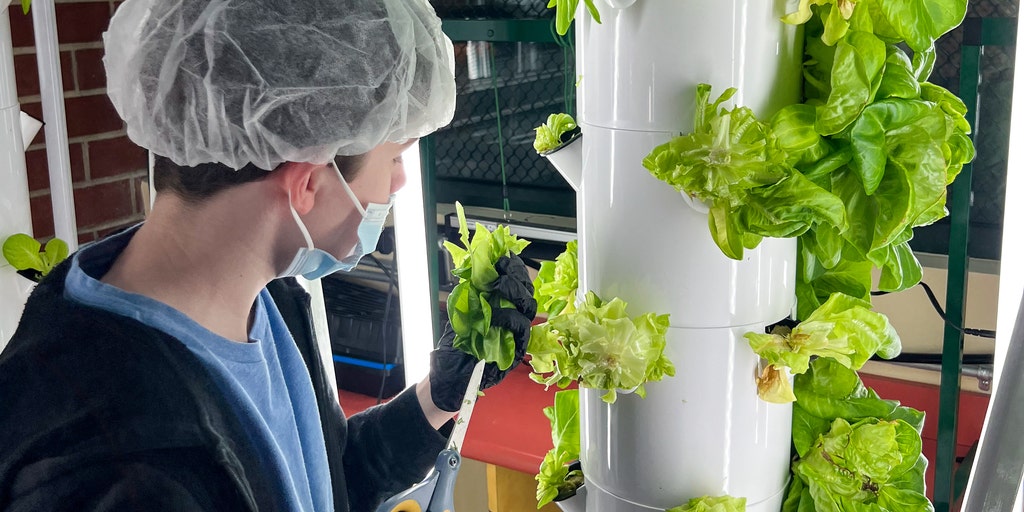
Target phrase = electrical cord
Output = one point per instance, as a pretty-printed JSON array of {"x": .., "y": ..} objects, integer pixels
[
  {"x": 383, "y": 268},
  {"x": 981, "y": 333},
  {"x": 392, "y": 286},
  {"x": 568, "y": 81},
  {"x": 384, "y": 343},
  {"x": 501, "y": 139}
]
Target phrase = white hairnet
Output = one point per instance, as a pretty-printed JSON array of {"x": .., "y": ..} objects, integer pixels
[{"x": 270, "y": 81}]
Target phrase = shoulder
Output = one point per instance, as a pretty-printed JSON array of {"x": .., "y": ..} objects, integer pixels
[{"x": 78, "y": 380}]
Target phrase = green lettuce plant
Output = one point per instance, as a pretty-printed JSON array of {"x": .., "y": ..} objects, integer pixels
[
  {"x": 27, "y": 255},
  {"x": 557, "y": 281},
  {"x": 565, "y": 12},
  {"x": 549, "y": 135},
  {"x": 712, "y": 504},
  {"x": 855, "y": 451},
  {"x": 844, "y": 329},
  {"x": 555, "y": 480},
  {"x": 742, "y": 170},
  {"x": 852, "y": 170},
  {"x": 600, "y": 347},
  {"x": 472, "y": 300}
]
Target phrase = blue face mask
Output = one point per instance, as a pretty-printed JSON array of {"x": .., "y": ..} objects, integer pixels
[{"x": 312, "y": 263}]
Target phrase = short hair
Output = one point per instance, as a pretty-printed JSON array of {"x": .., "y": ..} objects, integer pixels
[{"x": 199, "y": 183}]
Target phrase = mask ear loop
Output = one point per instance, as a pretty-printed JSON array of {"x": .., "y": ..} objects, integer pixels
[
  {"x": 348, "y": 190},
  {"x": 298, "y": 221}
]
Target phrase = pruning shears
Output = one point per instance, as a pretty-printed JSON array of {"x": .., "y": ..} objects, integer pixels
[{"x": 436, "y": 492}]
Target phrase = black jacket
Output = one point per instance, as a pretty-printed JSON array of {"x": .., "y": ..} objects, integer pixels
[{"x": 101, "y": 412}]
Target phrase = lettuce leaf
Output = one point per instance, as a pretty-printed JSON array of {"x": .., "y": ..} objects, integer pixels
[
  {"x": 565, "y": 12},
  {"x": 834, "y": 15},
  {"x": 921, "y": 22},
  {"x": 712, "y": 504},
  {"x": 554, "y": 479},
  {"x": 829, "y": 390},
  {"x": 600, "y": 347},
  {"x": 843, "y": 328},
  {"x": 556, "y": 283},
  {"x": 549, "y": 134},
  {"x": 472, "y": 300},
  {"x": 743, "y": 171},
  {"x": 855, "y": 78}
]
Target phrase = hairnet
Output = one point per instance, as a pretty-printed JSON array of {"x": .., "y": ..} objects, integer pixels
[{"x": 270, "y": 81}]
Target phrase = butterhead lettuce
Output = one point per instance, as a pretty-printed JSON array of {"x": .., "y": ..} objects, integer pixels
[
  {"x": 556, "y": 282},
  {"x": 855, "y": 450},
  {"x": 472, "y": 300},
  {"x": 712, "y": 504},
  {"x": 555, "y": 480},
  {"x": 844, "y": 329},
  {"x": 600, "y": 347}
]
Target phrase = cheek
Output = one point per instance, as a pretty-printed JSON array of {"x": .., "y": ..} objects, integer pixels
[{"x": 398, "y": 179}]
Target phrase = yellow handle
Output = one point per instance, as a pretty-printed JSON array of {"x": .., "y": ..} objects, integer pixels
[{"x": 408, "y": 506}]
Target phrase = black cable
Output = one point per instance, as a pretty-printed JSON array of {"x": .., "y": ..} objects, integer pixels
[
  {"x": 981, "y": 333},
  {"x": 928, "y": 358},
  {"x": 384, "y": 341},
  {"x": 387, "y": 272}
]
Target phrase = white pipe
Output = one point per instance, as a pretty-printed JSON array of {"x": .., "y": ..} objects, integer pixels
[
  {"x": 568, "y": 161},
  {"x": 51, "y": 88},
  {"x": 15, "y": 215},
  {"x": 704, "y": 431}
]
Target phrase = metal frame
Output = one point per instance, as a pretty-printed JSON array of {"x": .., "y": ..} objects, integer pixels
[{"x": 978, "y": 33}]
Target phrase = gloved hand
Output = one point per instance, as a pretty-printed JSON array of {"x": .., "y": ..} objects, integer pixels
[{"x": 451, "y": 368}]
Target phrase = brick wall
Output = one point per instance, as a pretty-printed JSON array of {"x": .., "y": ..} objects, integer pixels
[{"x": 107, "y": 169}]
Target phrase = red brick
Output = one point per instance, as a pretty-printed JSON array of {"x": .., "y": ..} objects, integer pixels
[
  {"x": 35, "y": 110},
  {"x": 38, "y": 175},
  {"x": 42, "y": 216},
  {"x": 115, "y": 156},
  {"x": 85, "y": 237},
  {"x": 82, "y": 22},
  {"x": 91, "y": 73},
  {"x": 21, "y": 28},
  {"x": 26, "y": 73},
  {"x": 76, "y": 153},
  {"x": 89, "y": 115},
  {"x": 99, "y": 204},
  {"x": 38, "y": 169}
]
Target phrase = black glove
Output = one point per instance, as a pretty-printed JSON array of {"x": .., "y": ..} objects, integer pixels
[{"x": 451, "y": 368}]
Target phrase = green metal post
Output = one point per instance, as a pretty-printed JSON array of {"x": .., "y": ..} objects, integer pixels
[
  {"x": 956, "y": 292},
  {"x": 428, "y": 166}
]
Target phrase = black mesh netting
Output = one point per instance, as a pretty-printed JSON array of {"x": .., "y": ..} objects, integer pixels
[{"x": 505, "y": 90}]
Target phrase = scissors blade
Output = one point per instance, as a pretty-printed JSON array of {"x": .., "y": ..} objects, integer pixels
[{"x": 468, "y": 402}]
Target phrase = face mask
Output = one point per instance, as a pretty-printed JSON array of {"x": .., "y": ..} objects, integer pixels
[{"x": 312, "y": 263}]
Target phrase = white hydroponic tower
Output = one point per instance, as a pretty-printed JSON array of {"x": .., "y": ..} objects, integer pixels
[
  {"x": 705, "y": 431},
  {"x": 15, "y": 216}
]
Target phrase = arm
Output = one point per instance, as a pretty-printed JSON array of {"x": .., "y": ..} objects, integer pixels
[{"x": 389, "y": 448}]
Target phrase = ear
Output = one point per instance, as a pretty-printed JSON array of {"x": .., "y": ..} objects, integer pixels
[{"x": 297, "y": 179}]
